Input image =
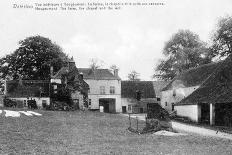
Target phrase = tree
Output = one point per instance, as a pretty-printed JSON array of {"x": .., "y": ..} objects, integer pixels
[
  {"x": 183, "y": 51},
  {"x": 32, "y": 59},
  {"x": 133, "y": 76},
  {"x": 95, "y": 63},
  {"x": 113, "y": 68},
  {"x": 222, "y": 38}
]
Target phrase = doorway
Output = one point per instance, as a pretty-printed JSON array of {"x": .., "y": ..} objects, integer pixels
[
  {"x": 123, "y": 109},
  {"x": 108, "y": 105},
  {"x": 205, "y": 113}
]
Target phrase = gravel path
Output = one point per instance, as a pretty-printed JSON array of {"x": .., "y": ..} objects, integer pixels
[
  {"x": 199, "y": 130},
  {"x": 189, "y": 128}
]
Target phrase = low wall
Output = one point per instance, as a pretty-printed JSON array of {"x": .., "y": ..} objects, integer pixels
[{"x": 38, "y": 100}]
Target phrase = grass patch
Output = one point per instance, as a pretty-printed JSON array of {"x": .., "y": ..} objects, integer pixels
[{"x": 77, "y": 132}]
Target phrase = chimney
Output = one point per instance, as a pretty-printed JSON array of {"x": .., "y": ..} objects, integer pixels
[
  {"x": 81, "y": 76},
  {"x": 116, "y": 72},
  {"x": 51, "y": 71},
  {"x": 71, "y": 64}
]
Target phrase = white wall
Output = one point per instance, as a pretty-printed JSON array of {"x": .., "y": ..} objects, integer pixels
[
  {"x": 37, "y": 99},
  {"x": 95, "y": 95},
  {"x": 193, "y": 112},
  {"x": 180, "y": 93},
  {"x": 1, "y": 100}
]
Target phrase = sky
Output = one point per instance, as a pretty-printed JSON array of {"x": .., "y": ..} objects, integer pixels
[{"x": 132, "y": 38}]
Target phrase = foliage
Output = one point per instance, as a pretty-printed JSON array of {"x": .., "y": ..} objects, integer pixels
[
  {"x": 133, "y": 76},
  {"x": 222, "y": 38},
  {"x": 32, "y": 59},
  {"x": 183, "y": 51},
  {"x": 8, "y": 102}
]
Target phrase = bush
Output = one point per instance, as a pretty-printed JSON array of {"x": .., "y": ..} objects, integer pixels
[
  {"x": 9, "y": 103},
  {"x": 58, "y": 105}
]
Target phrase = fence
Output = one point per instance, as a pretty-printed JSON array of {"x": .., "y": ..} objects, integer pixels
[{"x": 137, "y": 122}]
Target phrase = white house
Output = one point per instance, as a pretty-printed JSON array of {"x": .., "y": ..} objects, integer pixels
[
  {"x": 104, "y": 89},
  {"x": 182, "y": 86},
  {"x": 202, "y": 94}
]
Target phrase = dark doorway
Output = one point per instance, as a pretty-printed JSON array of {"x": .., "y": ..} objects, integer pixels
[
  {"x": 223, "y": 114},
  {"x": 205, "y": 113},
  {"x": 141, "y": 110},
  {"x": 108, "y": 104},
  {"x": 123, "y": 109}
]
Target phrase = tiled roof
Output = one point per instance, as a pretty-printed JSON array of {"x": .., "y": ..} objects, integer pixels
[
  {"x": 27, "y": 88},
  {"x": 216, "y": 89},
  {"x": 192, "y": 77},
  {"x": 75, "y": 80},
  {"x": 129, "y": 88},
  {"x": 158, "y": 86},
  {"x": 62, "y": 71},
  {"x": 98, "y": 74}
]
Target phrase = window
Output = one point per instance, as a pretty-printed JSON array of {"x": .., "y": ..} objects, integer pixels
[
  {"x": 112, "y": 90},
  {"x": 172, "y": 106},
  {"x": 166, "y": 103},
  {"x": 44, "y": 103},
  {"x": 102, "y": 90},
  {"x": 55, "y": 87},
  {"x": 158, "y": 99},
  {"x": 129, "y": 107},
  {"x": 89, "y": 101},
  {"x": 76, "y": 101}
]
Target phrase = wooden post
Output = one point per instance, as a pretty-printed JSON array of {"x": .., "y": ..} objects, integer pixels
[
  {"x": 212, "y": 114},
  {"x": 137, "y": 122},
  {"x": 129, "y": 120}
]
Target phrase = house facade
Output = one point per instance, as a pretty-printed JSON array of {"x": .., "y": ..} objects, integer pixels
[
  {"x": 182, "y": 86},
  {"x": 202, "y": 94},
  {"x": 24, "y": 90},
  {"x": 104, "y": 89},
  {"x": 137, "y": 96},
  {"x": 213, "y": 99}
]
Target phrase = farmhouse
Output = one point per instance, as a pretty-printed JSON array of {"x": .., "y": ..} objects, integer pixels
[
  {"x": 184, "y": 84},
  {"x": 105, "y": 89},
  {"x": 137, "y": 96},
  {"x": 24, "y": 90},
  {"x": 202, "y": 94},
  {"x": 69, "y": 77}
]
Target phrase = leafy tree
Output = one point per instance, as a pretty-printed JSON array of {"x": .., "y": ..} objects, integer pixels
[
  {"x": 133, "y": 76},
  {"x": 222, "y": 38},
  {"x": 32, "y": 59},
  {"x": 183, "y": 51}
]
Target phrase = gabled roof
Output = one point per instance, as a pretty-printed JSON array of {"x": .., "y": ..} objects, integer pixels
[
  {"x": 216, "y": 89},
  {"x": 98, "y": 74},
  {"x": 158, "y": 86},
  {"x": 27, "y": 88},
  {"x": 62, "y": 71},
  {"x": 74, "y": 79},
  {"x": 129, "y": 88},
  {"x": 192, "y": 77}
]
